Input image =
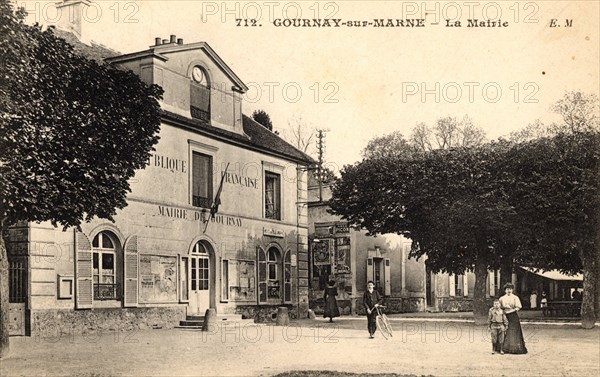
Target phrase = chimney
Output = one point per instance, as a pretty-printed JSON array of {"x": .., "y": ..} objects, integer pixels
[
  {"x": 179, "y": 41},
  {"x": 157, "y": 41},
  {"x": 71, "y": 19},
  {"x": 173, "y": 38}
]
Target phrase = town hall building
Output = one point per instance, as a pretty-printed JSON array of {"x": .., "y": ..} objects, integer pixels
[{"x": 166, "y": 256}]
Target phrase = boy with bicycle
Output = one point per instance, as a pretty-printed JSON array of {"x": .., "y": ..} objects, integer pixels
[{"x": 371, "y": 300}]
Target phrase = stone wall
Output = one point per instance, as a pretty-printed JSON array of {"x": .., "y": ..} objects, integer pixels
[
  {"x": 394, "y": 305},
  {"x": 264, "y": 313},
  {"x": 453, "y": 304},
  {"x": 52, "y": 323}
]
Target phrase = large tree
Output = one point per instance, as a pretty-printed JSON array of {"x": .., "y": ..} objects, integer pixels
[
  {"x": 557, "y": 194},
  {"x": 451, "y": 203},
  {"x": 72, "y": 133}
]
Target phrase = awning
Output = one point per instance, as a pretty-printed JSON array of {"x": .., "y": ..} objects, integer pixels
[{"x": 554, "y": 274}]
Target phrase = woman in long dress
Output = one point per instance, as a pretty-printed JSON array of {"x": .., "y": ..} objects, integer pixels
[
  {"x": 513, "y": 339},
  {"x": 533, "y": 300},
  {"x": 331, "y": 308}
]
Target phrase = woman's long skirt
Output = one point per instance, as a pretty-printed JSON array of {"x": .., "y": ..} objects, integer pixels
[
  {"x": 331, "y": 308},
  {"x": 513, "y": 339}
]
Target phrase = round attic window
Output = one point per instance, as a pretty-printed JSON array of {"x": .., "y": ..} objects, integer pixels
[{"x": 198, "y": 75}]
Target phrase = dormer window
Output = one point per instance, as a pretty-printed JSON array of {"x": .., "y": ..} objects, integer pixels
[{"x": 200, "y": 94}]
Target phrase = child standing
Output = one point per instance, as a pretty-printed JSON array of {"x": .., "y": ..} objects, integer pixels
[
  {"x": 498, "y": 324},
  {"x": 544, "y": 303},
  {"x": 371, "y": 300}
]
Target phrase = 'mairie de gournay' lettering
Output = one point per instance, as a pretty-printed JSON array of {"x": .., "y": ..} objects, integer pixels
[{"x": 179, "y": 213}]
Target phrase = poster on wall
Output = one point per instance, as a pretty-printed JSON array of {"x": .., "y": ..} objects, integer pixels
[
  {"x": 342, "y": 255},
  {"x": 242, "y": 280},
  {"x": 158, "y": 281},
  {"x": 321, "y": 252}
]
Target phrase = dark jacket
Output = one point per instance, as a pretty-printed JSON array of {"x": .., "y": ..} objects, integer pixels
[{"x": 370, "y": 299}]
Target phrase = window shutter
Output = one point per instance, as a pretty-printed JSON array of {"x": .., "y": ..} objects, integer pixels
[
  {"x": 492, "y": 285},
  {"x": 465, "y": 285},
  {"x": 388, "y": 277},
  {"x": 287, "y": 277},
  {"x": 83, "y": 270},
  {"x": 451, "y": 284},
  {"x": 183, "y": 278},
  {"x": 369, "y": 269},
  {"x": 131, "y": 261},
  {"x": 262, "y": 276}
]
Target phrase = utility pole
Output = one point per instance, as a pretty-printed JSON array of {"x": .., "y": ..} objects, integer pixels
[{"x": 321, "y": 152}]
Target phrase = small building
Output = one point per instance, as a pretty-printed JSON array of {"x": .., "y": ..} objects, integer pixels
[
  {"x": 351, "y": 258},
  {"x": 166, "y": 256},
  {"x": 557, "y": 286}
]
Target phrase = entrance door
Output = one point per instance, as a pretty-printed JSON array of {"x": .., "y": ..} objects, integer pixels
[{"x": 199, "y": 279}]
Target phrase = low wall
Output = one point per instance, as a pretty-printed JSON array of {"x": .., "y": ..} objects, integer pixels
[
  {"x": 453, "y": 304},
  {"x": 394, "y": 305},
  {"x": 264, "y": 313},
  {"x": 51, "y": 323}
]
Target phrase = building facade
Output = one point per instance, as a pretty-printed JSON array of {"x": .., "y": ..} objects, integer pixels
[
  {"x": 351, "y": 258},
  {"x": 166, "y": 255}
]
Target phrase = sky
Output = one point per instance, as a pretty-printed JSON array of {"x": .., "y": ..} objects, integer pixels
[{"x": 360, "y": 82}]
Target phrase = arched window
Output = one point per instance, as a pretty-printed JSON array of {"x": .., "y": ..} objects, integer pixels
[
  {"x": 106, "y": 260},
  {"x": 273, "y": 275},
  {"x": 200, "y": 267},
  {"x": 200, "y": 94}
]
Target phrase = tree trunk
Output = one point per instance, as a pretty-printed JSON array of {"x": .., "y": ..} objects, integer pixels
[
  {"x": 506, "y": 271},
  {"x": 590, "y": 277},
  {"x": 597, "y": 277},
  {"x": 4, "y": 314},
  {"x": 480, "y": 305}
]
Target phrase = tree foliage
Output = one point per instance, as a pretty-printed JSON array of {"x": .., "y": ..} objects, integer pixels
[
  {"x": 72, "y": 131},
  {"x": 261, "y": 117},
  {"x": 387, "y": 145},
  {"x": 533, "y": 201},
  {"x": 580, "y": 112}
]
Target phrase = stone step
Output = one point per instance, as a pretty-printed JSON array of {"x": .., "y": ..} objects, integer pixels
[
  {"x": 189, "y": 327},
  {"x": 191, "y": 323},
  {"x": 194, "y": 318},
  {"x": 200, "y": 317}
]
